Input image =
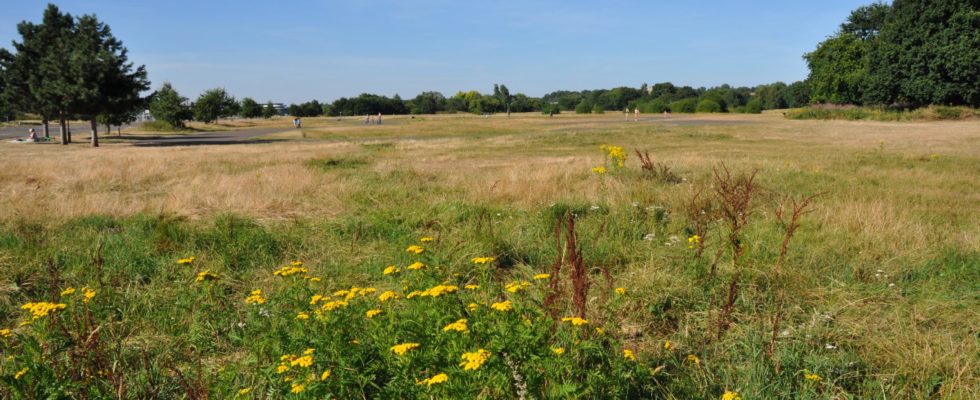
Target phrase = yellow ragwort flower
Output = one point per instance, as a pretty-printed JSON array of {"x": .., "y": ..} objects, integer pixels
[
  {"x": 473, "y": 360},
  {"x": 812, "y": 377},
  {"x": 387, "y": 295},
  {"x": 426, "y": 239},
  {"x": 255, "y": 297},
  {"x": 415, "y": 266},
  {"x": 576, "y": 321},
  {"x": 325, "y": 375},
  {"x": 694, "y": 359},
  {"x": 43, "y": 309},
  {"x": 628, "y": 354},
  {"x": 297, "y": 388},
  {"x": 20, "y": 373},
  {"x": 401, "y": 349},
  {"x": 302, "y": 316},
  {"x": 5, "y": 333},
  {"x": 315, "y": 299},
  {"x": 290, "y": 270},
  {"x": 517, "y": 286},
  {"x": 599, "y": 170},
  {"x": 89, "y": 294},
  {"x": 68, "y": 291},
  {"x": 333, "y": 305},
  {"x": 372, "y": 313},
  {"x": 472, "y": 306},
  {"x": 693, "y": 241},
  {"x": 620, "y": 291},
  {"x": 415, "y": 249},
  {"x": 558, "y": 350},
  {"x": 540, "y": 277},
  {"x": 458, "y": 326},
  {"x": 440, "y": 378},
  {"x": 244, "y": 391},
  {"x": 282, "y": 368},
  {"x": 391, "y": 269},
  {"x": 205, "y": 275},
  {"x": 502, "y": 306},
  {"x": 309, "y": 351},
  {"x": 439, "y": 290},
  {"x": 483, "y": 260},
  {"x": 304, "y": 361},
  {"x": 413, "y": 293},
  {"x": 471, "y": 287},
  {"x": 668, "y": 345},
  {"x": 186, "y": 261},
  {"x": 341, "y": 293},
  {"x": 731, "y": 395}
]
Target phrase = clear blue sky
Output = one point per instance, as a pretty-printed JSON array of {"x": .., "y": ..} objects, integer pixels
[{"x": 304, "y": 49}]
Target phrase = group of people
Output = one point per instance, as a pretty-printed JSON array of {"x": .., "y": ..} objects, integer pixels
[
  {"x": 370, "y": 120},
  {"x": 636, "y": 114},
  {"x": 297, "y": 123}
]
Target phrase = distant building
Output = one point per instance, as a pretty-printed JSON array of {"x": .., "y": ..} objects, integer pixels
[{"x": 281, "y": 109}]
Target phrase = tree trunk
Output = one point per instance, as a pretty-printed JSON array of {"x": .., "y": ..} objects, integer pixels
[
  {"x": 95, "y": 133},
  {"x": 64, "y": 129},
  {"x": 118, "y": 130},
  {"x": 47, "y": 130},
  {"x": 68, "y": 124}
]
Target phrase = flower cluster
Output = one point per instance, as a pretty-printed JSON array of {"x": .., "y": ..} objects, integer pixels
[
  {"x": 483, "y": 260},
  {"x": 255, "y": 297},
  {"x": 43, "y": 309},
  {"x": 439, "y": 378},
  {"x": 518, "y": 286},
  {"x": 473, "y": 360},
  {"x": 205, "y": 275},
  {"x": 403, "y": 348},
  {"x": 186, "y": 261},
  {"x": 458, "y": 326},
  {"x": 615, "y": 154},
  {"x": 576, "y": 321}
]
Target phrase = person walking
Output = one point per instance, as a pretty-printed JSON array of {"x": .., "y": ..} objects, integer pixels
[
  {"x": 636, "y": 114},
  {"x": 379, "y": 118},
  {"x": 32, "y": 135}
]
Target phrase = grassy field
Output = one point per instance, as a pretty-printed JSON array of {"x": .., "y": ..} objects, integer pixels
[{"x": 875, "y": 296}]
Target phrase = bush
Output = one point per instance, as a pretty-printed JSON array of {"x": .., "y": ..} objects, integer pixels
[
  {"x": 656, "y": 106},
  {"x": 684, "y": 105},
  {"x": 708, "y": 106},
  {"x": 160, "y": 126},
  {"x": 551, "y": 109},
  {"x": 583, "y": 107},
  {"x": 598, "y": 109},
  {"x": 754, "y": 106}
]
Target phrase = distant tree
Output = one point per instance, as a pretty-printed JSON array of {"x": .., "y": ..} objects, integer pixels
[
  {"x": 838, "y": 69},
  {"x": 754, "y": 106},
  {"x": 169, "y": 106},
  {"x": 708, "y": 106},
  {"x": 688, "y": 105},
  {"x": 503, "y": 96},
  {"x": 250, "y": 108},
  {"x": 214, "y": 104},
  {"x": 866, "y": 21},
  {"x": 797, "y": 94},
  {"x": 428, "y": 103},
  {"x": 598, "y": 109},
  {"x": 770, "y": 97},
  {"x": 269, "y": 110},
  {"x": 583, "y": 107}
]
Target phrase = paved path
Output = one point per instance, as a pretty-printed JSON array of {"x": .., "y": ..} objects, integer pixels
[{"x": 191, "y": 139}]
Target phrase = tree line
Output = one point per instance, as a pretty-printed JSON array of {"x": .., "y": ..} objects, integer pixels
[
  {"x": 908, "y": 54},
  {"x": 70, "y": 68}
]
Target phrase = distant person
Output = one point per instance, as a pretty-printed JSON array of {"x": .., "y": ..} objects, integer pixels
[
  {"x": 32, "y": 135},
  {"x": 666, "y": 113},
  {"x": 299, "y": 122},
  {"x": 636, "y": 114},
  {"x": 367, "y": 119},
  {"x": 626, "y": 114},
  {"x": 379, "y": 118}
]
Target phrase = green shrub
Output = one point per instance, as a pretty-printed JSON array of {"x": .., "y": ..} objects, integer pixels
[
  {"x": 754, "y": 106},
  {"x": 160, "y": 126},
  {"x": 708, "y": 106},
  {"x": 598, "y": 109},
  {"x": 688, "y": 105},
  {"x": 583, "y": 107},
  {"x": 656, "y": 106}
]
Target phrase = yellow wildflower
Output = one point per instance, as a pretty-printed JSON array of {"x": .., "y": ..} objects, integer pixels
[
  {"x": 558, "y": 350},
  {"x": 812, "y": 377},
  {"x": 458, "y": 326},
  {"x": 333, "y": 305},
  {"x": 415, "y": 266},
  {"x": 628, "y": 354},
  {"x": 205, "y": 275},
  {"x": 414, "y": 249},
  {"x": 502, "y": 306},
  {"x": 366, "y": 291},
  {"x": 471, "y": 287},
  {"x": 255, "y": 297},
  {"x": 312, "y": 279},
  {"x": 325, "y": 375},
  {"x": 387, "y": 295},
  {"x": 391, "y": 269},
  {"x": 282, "y": 368},
  {"x": 68, "y": 291},
  {"x": 472, "y": 306},
  {"x": 483, "y": 260},
  {"x": 296, "y": 263},
  {"x": 439, "y": 290},
  {"x": 472, "y": 361},
  {"x": 694, "y": 359},
  {"x": 668, "y": 345},
  {"x": 304, "y": 361},
  {"x": 341, "y": 293},
  {"x": 309, "y": 351},
  {"x": 577, "y": 321},
  {"x": 315, "y": 299},
  {"x": 20, "y": 373},
  {"x": 186, "y": 261},
  {"x": 401, "y": 349},
  {"x": 372, "y": 313},
  {"x": 297, "y": 388},
  {"x": 290, "y": 270},
  {"x": 440, "y": 378},
  {"x": 539, "y": 277},
  {"x": 426, "y": 239},
  {"x": 730, "y": 395},
  {"x": 89, "y": 294},
  {"x": 515, "y": 287},
  {"x": 599, "y": 170},
  {"x": 413, "y": 294},
  {"x": 693, "y": 241},
  {"x": 43, "y": 309},
  {"x": 620, "y": 291},
  {"x": 5, "y": 333},
  {"x": 600, "y": 330},
  {"x": 244, "y": 391},
  {"x": 303, "y": 316}
]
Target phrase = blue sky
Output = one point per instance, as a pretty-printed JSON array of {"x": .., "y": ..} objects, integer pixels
[{"x": 324, "y": 50}]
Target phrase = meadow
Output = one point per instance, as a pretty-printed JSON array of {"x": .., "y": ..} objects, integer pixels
[{"x": 455, "y": 256}]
